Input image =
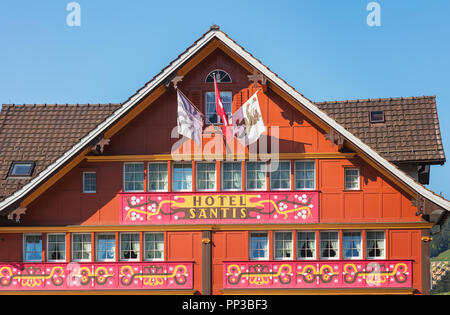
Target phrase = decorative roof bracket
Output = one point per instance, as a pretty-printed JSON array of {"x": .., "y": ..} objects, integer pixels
[{"x": 335, "y": 138}]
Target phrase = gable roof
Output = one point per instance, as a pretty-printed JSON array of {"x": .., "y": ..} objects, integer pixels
[
  {"x": 42, "y": 133},
  {"x": 215, "y": 34},
  {"x": 411, "y": 131}
]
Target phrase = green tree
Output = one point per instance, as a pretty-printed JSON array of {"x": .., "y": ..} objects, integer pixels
[{"x": 441, "y": 240}]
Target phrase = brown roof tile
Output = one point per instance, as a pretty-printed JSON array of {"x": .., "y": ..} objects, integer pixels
[
  {"x": 42, "y": 133},
  {"x": 411, "y": 132}
]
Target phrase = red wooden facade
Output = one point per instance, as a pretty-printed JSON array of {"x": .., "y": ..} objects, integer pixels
[{"x": 204, "y": 265}]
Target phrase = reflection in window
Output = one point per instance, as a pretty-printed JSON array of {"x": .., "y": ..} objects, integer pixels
[
  {"x": 259, "y": 246},
  {"x": 351, "y": 245},
  {"x": 182, "y": 177},
  {"x": 33, "y": 247},
  {"x": 106, "y": 247}
]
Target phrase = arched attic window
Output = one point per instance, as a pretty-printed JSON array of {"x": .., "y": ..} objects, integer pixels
[{"x": 221, "y": 77}]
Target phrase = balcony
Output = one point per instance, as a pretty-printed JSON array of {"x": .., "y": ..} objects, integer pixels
[
  {"x": 96, "y": 276},
  {"x": 238, "y": 207},
  {"x": 317, "y": 274}
]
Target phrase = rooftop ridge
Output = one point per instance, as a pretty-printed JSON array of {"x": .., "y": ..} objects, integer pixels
[{"x": 379, "y": 99}]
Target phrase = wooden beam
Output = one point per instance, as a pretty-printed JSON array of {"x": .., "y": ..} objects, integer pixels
[
  {"x": 169, "y": 157},
  {"x": 215, "y": 227}
]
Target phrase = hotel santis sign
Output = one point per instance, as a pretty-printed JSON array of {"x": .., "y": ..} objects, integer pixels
[{"x": 219, "y": 208}]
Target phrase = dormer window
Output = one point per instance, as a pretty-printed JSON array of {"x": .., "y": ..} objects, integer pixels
[
  {"x": 221, "y": 77},
  {"x": 21, "y": 169},
  {"x": 377, "y": 117}
]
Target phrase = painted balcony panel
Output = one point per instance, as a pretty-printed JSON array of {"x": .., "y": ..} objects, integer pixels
[
  {"x": 317, "y": 274},
  {"x": 219, "y": 208},
  {"x": 96, "y": 276}
]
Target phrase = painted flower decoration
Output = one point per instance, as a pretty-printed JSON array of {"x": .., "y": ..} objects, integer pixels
[
  {"x": 152, "y": 207},
  {"x": 282, "y": 206}
]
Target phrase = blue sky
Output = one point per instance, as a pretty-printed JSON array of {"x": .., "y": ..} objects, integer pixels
[{"x": 323, "y": 48}]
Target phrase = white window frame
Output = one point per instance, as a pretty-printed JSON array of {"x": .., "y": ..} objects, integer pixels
[
  {"x": 222, "y": 178},
  {"x": 275, "y": 247},
  {"x": 148, "y": 177},
  {"x": 72, "y": 248},
  {"x": 197, "y": 178},
  {"x": 219, "y": 120},
  {"x": 315, "y": 246},
  {"x": 217, "y": 70},
  {"x": 360, "y": 245},
  {"x": 246, "y": 177},
  {"x": 173, "y": 174},
  {"x": 145, "y": 247},
  {"x": 295, "y": 175},
  {"x": 85, "y": 191},
  {"x": 250, "y": 247},
  {"x": 338, "y": 254},
  {"x": 47, "y": 251},
  {"x": 96, "y": 247},
  {"x": 290, "y": 174},
  {"x": 120, "y": 246},
  {"x": 367, "y": 248},
  {"x": 24, "y": 246},
  {"x": 143, "y": 169},
  {"x": 345, "y": 178}
]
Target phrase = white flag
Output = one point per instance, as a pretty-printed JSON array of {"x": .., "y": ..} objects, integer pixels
[
  {"x": 190, "y": 120},
  {"x": 248, "y": 124}
]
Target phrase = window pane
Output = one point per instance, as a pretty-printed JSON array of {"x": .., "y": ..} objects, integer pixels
[
  {"x": 134, "y": 177},
  {"x": 154, "y": 246},
  {"x": 375, "y": 244},
  {"x": 56, "y": 247},
  {"x": 259, "y": 243},
  {"x": 211, "y": 113},
  {"x": 304, "y": 175},
  {"x": 231, "y": 176},
  {"x": 33, "y": 248},
  {"x": 256, "y": 175},
  {"x": 306, "y": 245},
  {"x": 106, "y": 247},
  {"x": 182, "y": 176},
  {"x": 351, "y": 245},
  {"x": 89, "y": 182},
  {"x": 329, "y": 245},
  {"x": 158, "y": 177},
  {"x": 283, "y": 245},
  {"x": 281, "y": 178}
]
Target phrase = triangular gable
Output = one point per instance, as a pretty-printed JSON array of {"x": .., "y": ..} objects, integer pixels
[{"x": 154, "y": 86}]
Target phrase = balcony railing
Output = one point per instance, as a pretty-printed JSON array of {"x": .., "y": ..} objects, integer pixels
[
  {"x": 237, "y": 207},
  {"x": 96, "y": 276},
  {"x": 317, "y": 274}
]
